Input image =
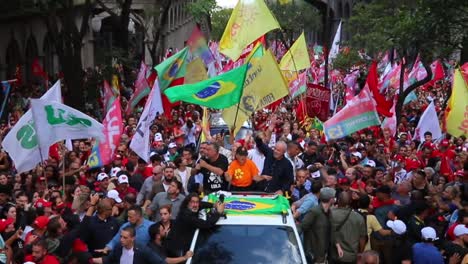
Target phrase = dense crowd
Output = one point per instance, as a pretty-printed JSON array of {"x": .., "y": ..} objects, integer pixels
[{"x": 371, "y": 195}]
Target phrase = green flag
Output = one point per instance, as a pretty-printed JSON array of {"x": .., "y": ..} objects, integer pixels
[
  {"x": 218, "y": 92},
  {"x": 172, "y": 68},
  {"x": 236, "y": 205}
]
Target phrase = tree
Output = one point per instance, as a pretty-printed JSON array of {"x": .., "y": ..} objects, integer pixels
[
  {"x": 219, "y": 20},
  {"x": 60, "y": 17},
  {"x": 295, "y": 17},
  {"x": 202, "y": 9},
  {"x": 431, "y": 28}
]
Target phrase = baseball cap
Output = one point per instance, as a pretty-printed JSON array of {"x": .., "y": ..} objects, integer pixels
[
  {"x": 123, "y": 179},
  {"x": 172, "y": 145},
  {"x": 357, "y": 154},
  {"x": 397, "y": 226},
  {"x": 42, "y": 203},
  {"x": 113, "y": 194},
  {"x": 444, "y": 143},
  {"x": 4, "y": 223},
  {"x": 327, "y": 193},
  {"x": 460, "y": 230},
  {"x": 371, "y": 163},
  {"x": 41, "y": 222},
  {"x": 429, "y": 233},
  {"x": 114, "y": 171},
  {"x": 102, "y": 176},
  {"x": 158, "y": 137}
]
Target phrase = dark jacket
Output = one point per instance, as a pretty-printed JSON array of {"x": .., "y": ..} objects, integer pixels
[
  {"x": 142, "y": 255},
  {"x": 180, "y": 237},
  {"x": 316, "y": 226},
  {"x": 282, "y": 171}
]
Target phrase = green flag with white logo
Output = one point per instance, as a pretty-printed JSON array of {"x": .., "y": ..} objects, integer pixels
[{"x": 54, "y": 122}]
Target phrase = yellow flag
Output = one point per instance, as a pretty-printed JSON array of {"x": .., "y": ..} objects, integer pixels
[
  {"x": 196, "y": 72},
  {"x": 297, "y": 57},
  {"x": 457, "y": 117},
  {"x": 264, "y": 84},
  {"x": 204, "y": 123},
  {"x": 249, "y": 20}
]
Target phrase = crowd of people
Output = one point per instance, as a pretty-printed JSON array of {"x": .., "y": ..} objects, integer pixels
[{"x": 369, "y": 197}]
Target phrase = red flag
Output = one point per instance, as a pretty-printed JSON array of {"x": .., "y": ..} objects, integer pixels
[
  {"x": 108, "y": 96},
  {"x": 113, "y": 128},
  {"x": 437, "y": 73},
  {"x": 38, "y": 71},
  {"x": 383, "y": 106},
  {"x": 142, "y": 89},
  {"x": 317, "y": 101},
  {"x": 300, "y": 110},
  {"x": 18, "y": 76}
]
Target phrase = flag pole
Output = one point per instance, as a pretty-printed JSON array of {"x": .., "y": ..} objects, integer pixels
[
  {"x": 242, "y": 92},
  {"x": 39, "y": 147}
]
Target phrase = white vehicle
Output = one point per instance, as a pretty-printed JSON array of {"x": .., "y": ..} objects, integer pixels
[{"x": 253, "y": 232}]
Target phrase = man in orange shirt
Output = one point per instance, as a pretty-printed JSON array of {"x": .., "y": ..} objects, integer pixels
[{"x": 242, "y": 172}]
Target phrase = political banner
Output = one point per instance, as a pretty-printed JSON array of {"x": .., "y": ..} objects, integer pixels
[{"x": 317, "y": 101}]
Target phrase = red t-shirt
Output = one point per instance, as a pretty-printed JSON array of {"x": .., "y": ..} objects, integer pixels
[{"x": 48, "y": 259}]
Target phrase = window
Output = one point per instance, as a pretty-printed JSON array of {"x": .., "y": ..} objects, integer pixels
[{"x": 232, "y": 244}]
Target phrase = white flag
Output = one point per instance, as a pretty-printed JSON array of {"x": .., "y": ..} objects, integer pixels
[
  {"x": 428, "y": 122},
  {"x": 21, "y": 141},
  {"x": 141, "y": 140},
  {"x": 55, "y": 122},
  {"x": 335, "y": 48}
]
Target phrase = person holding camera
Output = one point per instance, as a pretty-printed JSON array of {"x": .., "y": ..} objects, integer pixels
[{"x": 188, "y": 220}]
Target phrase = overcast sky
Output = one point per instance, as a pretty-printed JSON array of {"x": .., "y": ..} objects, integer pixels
[{"x": 227, "y": 3}]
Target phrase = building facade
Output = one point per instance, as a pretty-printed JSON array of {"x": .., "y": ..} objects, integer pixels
[{"x": 25, "y": 35}]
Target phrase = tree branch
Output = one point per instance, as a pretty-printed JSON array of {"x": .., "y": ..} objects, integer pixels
[
  {"x": 85, "y": 22},
  {"x": 107, "y": 9}
]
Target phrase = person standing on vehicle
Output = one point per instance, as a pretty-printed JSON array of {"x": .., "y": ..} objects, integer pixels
[
  {"x": 242, "y": 172},
  {"x": 212, "y": 167},
  {"x": 316, "y": 226}
]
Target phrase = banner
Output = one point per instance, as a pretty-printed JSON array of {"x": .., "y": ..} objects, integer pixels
[
  {"x": 142, "y": 89},
  {"x": 317, "y": 101},
  {"x": 103, "y": 151},
  {"x": 358, "y": 113},
  {"x": 258, "y": 206}
]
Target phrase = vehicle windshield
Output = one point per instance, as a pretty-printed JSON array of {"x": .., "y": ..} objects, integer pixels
[{"x": 241, "y": 244}]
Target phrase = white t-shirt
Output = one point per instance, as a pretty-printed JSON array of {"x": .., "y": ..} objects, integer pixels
[
  {"x": 258, "y": 158},
  {"x": 127, "y": 256}
]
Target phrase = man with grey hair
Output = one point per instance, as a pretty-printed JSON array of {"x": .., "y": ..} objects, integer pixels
[{"x": 278, "y": 173}]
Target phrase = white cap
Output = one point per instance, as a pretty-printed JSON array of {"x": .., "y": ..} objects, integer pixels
[
  {"x": 113, "y": 194},
  {"x": 397, "y": 226},
  {"x": 460, "y": 230},
  {"x": 101, "y": 176},
  {"x": 172, "y": 145},
  {"x": 114, "y": 171},
  {"x": 429, "y": 233},
  {"x": 371, "y": 163},
  {"x": 123, "y": 179},
  {"x": 357, "y": 154},
  {"x": 158, "y": 137},
  {"x": 29, "y": 262}
]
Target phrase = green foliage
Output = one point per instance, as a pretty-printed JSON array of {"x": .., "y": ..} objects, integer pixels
[
  {"x": 347, "y": 59},
  {"x": 296, "y": 16},
  {"x": 219, "y": 20},
  {"x": 201, "y": 9},
  {"x": 432, "y": 28}
]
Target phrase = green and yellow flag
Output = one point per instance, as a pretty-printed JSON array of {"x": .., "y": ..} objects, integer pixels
[
  {"x": 218, "y": 92},
  {"x": 264, "y": 85},
  {"x": 249, "y": 20},
  {"x": 258, "y": 206},
  {"x": 457, "y": 113},
  {"x": 297, "y": 57},
  {"x": 172, "y": 68}
]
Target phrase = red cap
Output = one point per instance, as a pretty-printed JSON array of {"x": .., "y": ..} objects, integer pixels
[
  {"x": 42, "y": 203},
  {"x": 41, "y": 222},
  {"x": 445, "y": 143},
  {"x": 4, "y": 223},
  {"x": 459, "y": 173}
]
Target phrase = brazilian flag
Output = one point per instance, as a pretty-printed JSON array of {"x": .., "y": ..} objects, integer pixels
[
  {"x": 258, "y": 206},
  {"x": 172, "y": 68},
  {"x": 218, "y": 92}
]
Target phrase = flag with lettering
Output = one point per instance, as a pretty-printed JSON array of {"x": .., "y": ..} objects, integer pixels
[
  {"x": 103, "y": 151},
  {"x": 456, "y": 117},
  {"x": 317, "y": 101},
  {"x": 21, "y": 141},
  {"x": 358, "y": 113},
  {"x": 55, "y": 121},
  {"x": 108, "y": 96}
]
